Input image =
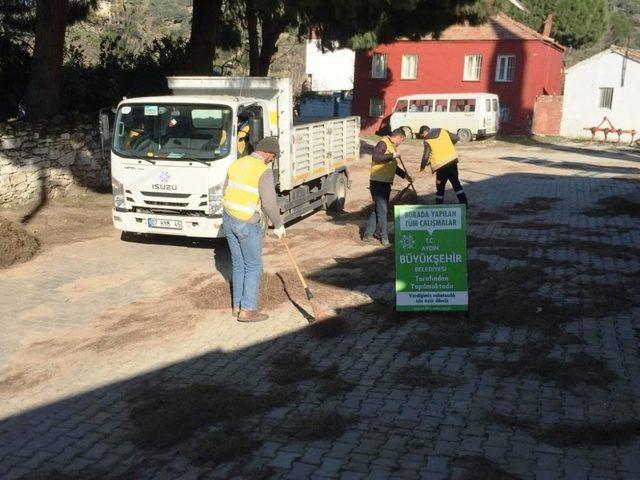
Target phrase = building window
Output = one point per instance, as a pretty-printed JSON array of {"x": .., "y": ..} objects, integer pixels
[
  {"x": 606, "y": 98},
  {"x": 376, "y": 107},
  {"x": 379, "y": 65},
  {"x": 409, "y": 67},
  {"x": 472, "y": 68},
  {"x": 505, "y": 68}
]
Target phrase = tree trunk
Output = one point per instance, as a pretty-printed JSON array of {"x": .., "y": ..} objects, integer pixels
[
  {"x": 270, "y": 33},
  {"x": 254, "y": 46},
  {"x": 201, "y": 49},
  {"x": 43, "y": 97}
]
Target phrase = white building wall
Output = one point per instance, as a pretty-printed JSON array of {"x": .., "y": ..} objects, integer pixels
[
  {"x": 330, "y": 71},
  {"x": 581, "y": 103}
]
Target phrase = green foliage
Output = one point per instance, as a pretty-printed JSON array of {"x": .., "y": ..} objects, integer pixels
[
  {"x": 365, "y": 23},
  {"x": 119, "y": 72},
  {"x": 577, "y": 23}
]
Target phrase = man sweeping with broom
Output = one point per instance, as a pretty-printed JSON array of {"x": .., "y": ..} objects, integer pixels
[
  {"x": 384, "y": 168},
  {"x": 440, "y": 154},
  {"x": 248, "y": 191}
]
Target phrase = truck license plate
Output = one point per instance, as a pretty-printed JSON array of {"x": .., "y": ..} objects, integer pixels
[{"x": 161, "y": 223}]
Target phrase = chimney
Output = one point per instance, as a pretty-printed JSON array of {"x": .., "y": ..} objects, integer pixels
[{"x": 547, "y": 26}]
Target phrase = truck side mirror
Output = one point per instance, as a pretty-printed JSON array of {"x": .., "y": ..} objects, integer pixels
[
  {"x": 256, "y": 130},
  {"x": 105, "y": 131}
]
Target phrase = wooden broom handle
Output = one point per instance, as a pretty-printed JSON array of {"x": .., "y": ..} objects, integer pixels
[
  {"x": 407, "y": 172},
  {"x": 295, "y": 264}
]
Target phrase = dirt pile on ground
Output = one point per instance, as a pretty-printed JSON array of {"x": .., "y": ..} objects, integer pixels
[
  {"x": 275, "y": 289},
  {"x": 16, "y": 244}
]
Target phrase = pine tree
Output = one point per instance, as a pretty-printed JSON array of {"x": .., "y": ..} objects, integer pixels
[{"x": 576, "y": 23}]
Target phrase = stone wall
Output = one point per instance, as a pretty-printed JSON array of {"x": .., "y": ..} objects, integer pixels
[{"x": 50, "y": 159}]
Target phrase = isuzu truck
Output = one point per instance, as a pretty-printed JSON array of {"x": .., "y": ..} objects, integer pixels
[{"x": 170, "y": 154}]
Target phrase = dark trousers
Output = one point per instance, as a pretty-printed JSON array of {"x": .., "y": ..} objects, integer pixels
[
  {"x": 380, "y": 193},
  {"x": 449, "y": 173}
]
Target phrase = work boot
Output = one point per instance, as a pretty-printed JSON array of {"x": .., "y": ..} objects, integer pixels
[
  {"x": 367, "y": 239},
  {"x": 385, "y": 242},
  {"x": 234, "y": 311},
  {"x": 252, "y": 316}
]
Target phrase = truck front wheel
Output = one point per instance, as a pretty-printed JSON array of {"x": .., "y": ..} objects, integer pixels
[{"x": 335, "y": 200}]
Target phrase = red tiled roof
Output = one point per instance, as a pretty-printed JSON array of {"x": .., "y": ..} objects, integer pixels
[
  {"x": 627, "y": 52},
  {"x": 498, "y": 27}
]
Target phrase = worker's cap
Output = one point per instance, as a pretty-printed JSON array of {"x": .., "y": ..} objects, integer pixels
[{"x": 269, "y": 145}]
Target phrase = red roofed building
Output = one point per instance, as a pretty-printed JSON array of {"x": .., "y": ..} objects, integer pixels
[{"x": 501, "y": 56}]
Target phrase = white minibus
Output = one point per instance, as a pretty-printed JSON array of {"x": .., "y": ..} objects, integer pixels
[{"x": 469, "y": 115}]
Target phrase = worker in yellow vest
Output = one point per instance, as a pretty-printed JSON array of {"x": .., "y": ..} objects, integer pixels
[
  {"x": 250, "y": 190},
  {"x": 243, "y": 137},
  {"x": 441, "y": 156},
  {"x": 384, "y": 168}
]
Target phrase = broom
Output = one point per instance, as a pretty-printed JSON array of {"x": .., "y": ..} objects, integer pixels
[
  {"x": 319, "y": 313},
  {"x": 402, "y": 192}
]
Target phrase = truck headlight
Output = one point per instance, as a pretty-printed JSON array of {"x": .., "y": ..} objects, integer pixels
[
  {"x": 118, "y": 193},
  {"x": 215, "y": 199}
]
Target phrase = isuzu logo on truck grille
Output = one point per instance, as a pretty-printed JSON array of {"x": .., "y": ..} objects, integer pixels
[
  {"x": 163, "y": 186},
  {"x": 164, "y": 177}
]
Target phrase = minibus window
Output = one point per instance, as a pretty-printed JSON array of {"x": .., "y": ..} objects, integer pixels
[
  {"x": 463, "y": 105},
  {"x": 488, "y": 107},
  {"x": 442, "y": 105},
  {"x": 401, "y": 106},
  {"x": 421, "y": 106},
  {"x": 495, "y": 105}
]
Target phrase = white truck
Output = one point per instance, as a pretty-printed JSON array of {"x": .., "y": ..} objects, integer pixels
[{"x": 170, "y": 154}]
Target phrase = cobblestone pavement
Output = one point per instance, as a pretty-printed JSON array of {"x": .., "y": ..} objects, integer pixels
[{"x": 570, "y": 412}]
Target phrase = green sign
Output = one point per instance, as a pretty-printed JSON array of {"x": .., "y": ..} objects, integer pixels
[{"x": 431, "y": 258}]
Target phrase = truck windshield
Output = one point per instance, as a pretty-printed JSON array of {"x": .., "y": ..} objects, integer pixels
[{"x": 200, "y": 132}]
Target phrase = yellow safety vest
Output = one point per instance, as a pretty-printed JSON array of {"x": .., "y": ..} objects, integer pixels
[
  {"x": 385, "y": 172},
  {"x": 243, "y": 138},
  {"x": 241, "y": 197},
  {"x": 442, "y": 150}
]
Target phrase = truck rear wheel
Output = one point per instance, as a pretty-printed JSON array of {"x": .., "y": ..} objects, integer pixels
[{"x": 335, "y": 201}]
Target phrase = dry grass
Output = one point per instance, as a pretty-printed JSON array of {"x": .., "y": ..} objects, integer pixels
[
  {"x": 534, "y": 361},
  {"x": 484, "y": 216},
  {"x": 332, "y": 327},
  {"x": 331, "y": 382},
  {"x": 614, "y": 206},
  {"x": 452, "y": 335},
  {"x": 565, "y": 435},
  {"x": 222, "y": 446},
  {"x": 480, "y": 468},
  {"x": 319, "y": 425},
  {"x": 533, "y": 205},
  {"x": 164, "y": 417},
  {"x": 291, "y": 367},
  {"x": 423, "y": 376},
  {"x": 16, "y": 244},
  {"x": 273, "y": 292}
]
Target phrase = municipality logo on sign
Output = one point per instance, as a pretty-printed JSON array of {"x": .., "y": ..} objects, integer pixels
[
  {"x": 431, "y": 219},
  {"x": 407, "y": 241}
]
